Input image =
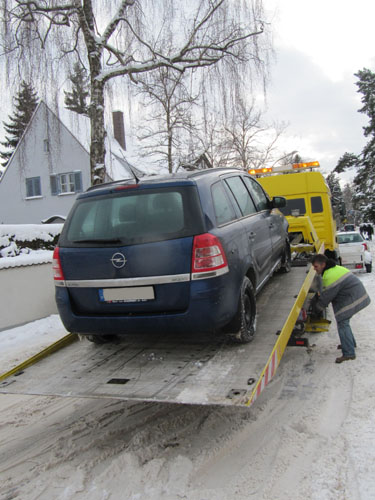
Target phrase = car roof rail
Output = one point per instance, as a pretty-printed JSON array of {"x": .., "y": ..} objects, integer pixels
[{"x": 111, "y": 183}]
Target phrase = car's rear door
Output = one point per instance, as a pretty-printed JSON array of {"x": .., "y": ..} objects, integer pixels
[
  {"x": 275, "y": 220},
  {"x": 256, "y": 225}
]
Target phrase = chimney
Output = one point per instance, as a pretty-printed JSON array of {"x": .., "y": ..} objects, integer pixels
[{"x": 118, "y": 128}]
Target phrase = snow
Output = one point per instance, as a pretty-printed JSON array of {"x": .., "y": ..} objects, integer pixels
[
  {"x": 12, "y": 256},
  {"x": 310, "y": 434}
]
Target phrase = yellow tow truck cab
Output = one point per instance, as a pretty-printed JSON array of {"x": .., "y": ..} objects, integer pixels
[{"x": 308, "y": 210}]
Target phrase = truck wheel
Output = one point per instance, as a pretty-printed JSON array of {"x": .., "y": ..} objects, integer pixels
[
  {"x": 286, "y": 263},
  {"x": 368, "y": 268},
  {"x": 244, "y": 322}
]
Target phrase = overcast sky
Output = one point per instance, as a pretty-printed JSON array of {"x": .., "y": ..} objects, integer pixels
[{"x": 319, "y": 45}]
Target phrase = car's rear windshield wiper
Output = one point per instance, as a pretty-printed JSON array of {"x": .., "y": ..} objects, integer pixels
[{"x": 99, "y": 240}]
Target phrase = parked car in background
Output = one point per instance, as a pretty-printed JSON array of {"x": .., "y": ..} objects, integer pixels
[
  {"x": 355, "y": 251},
  {"x": 181, "y": 253},
  {"x": 349, "y": 227}
]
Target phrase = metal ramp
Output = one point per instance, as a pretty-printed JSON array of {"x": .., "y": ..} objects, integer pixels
[{"x": 192, "y": 370}]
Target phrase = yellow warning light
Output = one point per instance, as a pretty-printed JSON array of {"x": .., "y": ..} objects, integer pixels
[
  {"x": 309, "y": 164},
  {"x": 257, "y": 171}
]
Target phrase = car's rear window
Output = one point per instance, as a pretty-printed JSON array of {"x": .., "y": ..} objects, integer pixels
[
  {"x": 349, "y": 238},
  {"x": 133, "y": 217}
]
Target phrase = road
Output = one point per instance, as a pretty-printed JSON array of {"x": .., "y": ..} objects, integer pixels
[{"x": 310, "y": 435}]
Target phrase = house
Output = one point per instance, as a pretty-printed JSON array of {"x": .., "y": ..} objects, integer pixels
[
  {"x": 45, "y": 173},
  {"x": 50, "y": 166},
  {"x": 200, "y": 162}
]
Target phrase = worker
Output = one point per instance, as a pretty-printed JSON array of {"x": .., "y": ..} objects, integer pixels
[
  {"x": 348, "y": 296},
  {"x": 370, "y": 231}
]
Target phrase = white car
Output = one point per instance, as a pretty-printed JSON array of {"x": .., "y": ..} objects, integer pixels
[{"x": 354, "y": 251}]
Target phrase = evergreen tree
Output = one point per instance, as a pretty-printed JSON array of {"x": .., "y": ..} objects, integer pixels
[
  {"x": 25, "y": 103},
  {"x": 364, "y": 181},
  {"x": 76, "y": 100},
  {"x": 337, "y": 199},
  {"x": 347, "y": 160}
]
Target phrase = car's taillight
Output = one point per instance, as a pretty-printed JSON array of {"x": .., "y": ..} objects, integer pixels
[
  {"x": 359, "y": 266},
  {"x": 56, "y": 266},
  {"x": 365, "y": 245},
  {"x": 208, "y": 254}
]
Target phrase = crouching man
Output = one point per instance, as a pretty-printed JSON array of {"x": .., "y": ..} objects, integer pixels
[{"x": 348, "y": 296}]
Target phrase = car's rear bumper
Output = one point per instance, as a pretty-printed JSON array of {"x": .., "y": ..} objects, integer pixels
[
  {"x": 208, "y": 311},
  {"x": 353, "y": 264}
]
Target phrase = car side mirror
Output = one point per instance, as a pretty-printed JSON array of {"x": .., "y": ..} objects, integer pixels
[{"x": 278, "y": 202}]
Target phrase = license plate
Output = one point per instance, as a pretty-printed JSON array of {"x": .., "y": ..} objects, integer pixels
[{"x": 129, "y": 294}]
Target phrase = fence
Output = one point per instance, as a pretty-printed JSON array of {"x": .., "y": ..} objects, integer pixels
[{"x": 26, "y": 294}]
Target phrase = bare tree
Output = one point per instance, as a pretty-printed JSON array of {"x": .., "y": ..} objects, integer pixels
[
  {"x": 115, "y": 38},
  {"x": 169, "y": 124},
  {"x": 208, "y": 139},
  {"x": 247, "y": 142}
]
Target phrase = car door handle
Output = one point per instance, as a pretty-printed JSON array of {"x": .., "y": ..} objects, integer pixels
[{"x": 252, "y": 235}]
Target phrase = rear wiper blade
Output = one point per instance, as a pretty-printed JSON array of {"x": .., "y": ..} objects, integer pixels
[{"x": 99, "y": 240}]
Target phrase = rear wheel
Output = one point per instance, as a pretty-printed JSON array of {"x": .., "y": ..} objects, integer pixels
[
  {"x": 242, "y": 328},
  {"x": 101, "y": 339},
  {"x": 286, "y": 263}
]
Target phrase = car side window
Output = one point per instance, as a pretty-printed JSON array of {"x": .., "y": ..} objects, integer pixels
[
  {"x": 224, "y": 211},
  {"x": 241, "y": 195},
  {"x": 257, "y": 194}
]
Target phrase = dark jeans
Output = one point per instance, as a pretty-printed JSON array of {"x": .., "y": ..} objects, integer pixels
[{"x": 347, "y": 339}]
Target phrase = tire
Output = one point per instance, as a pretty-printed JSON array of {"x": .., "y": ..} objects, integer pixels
[
  {"x": 286, "y": 264},
  {"x": 242, "y": 328},
  {"x": 101, "y": 339},
  {"x": 368, "y": 267},
  {"x": 332, "y": 254}
]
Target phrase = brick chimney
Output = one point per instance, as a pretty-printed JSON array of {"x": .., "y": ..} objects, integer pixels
[{"x": 118, "y": 128}]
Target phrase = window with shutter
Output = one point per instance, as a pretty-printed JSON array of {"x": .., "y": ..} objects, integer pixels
[
  {"x": 54, "y": 181},
  {"x": 33, "y": 187},
  {"x": 68, "y": 182}
]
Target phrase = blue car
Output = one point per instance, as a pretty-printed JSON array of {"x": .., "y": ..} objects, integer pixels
[{"x": 179, "y": 253}]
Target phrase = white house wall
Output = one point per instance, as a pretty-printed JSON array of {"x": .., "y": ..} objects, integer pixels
[{"x": 65, "y": 155}]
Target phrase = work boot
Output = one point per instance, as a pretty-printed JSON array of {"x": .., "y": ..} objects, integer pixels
[{"x": 344, "y": 358}]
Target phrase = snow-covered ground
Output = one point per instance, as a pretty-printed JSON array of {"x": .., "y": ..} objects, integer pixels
[{"x": 310, "y": 435}]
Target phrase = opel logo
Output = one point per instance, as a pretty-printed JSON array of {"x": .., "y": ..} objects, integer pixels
[{"x": 118, "y": 260}]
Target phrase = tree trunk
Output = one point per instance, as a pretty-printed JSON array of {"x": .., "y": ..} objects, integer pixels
[
  {"x": 96, "y": 109},
  {"x": 169, "y": 143},
  {"x": 98, "y": 133}
]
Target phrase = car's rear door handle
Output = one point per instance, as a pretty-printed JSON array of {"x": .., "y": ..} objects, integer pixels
[{"x": 252, "y": 235}]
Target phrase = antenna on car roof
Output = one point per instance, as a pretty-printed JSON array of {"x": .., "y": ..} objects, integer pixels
[
  {"x": 129, "y": 167},
  {"x": 134, "y": 174}
]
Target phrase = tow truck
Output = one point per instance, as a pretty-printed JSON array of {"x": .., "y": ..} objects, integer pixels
[
  {"x": 308, "y": 211},
  {"x": 194, "y": 370}
]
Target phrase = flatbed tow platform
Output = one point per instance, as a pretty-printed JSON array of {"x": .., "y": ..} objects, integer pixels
[{"x": 172, "y": 369}]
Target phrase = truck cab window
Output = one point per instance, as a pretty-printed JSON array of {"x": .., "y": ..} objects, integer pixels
[
  {"x": 295, "y": 206},
  {"x": 316, "y": 204}
]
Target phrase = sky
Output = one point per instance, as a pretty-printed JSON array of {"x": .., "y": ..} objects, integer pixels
[{"x": 318, "y": 47}]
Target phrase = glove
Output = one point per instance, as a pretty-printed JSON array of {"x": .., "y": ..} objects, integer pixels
[{"x": 315, "y": 304}]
